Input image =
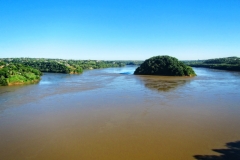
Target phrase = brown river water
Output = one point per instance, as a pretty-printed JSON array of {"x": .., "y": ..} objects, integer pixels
[{"x": 111, "y": 114}]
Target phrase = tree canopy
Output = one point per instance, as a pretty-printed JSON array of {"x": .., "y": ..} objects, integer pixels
[
  {"x": 228, "y": 63},
  {"x": 14, "y": 73},
  {"x": 164, "y": 65},
  {"x": 63, "y": 65},
  {"x": 27, "y": 70}
]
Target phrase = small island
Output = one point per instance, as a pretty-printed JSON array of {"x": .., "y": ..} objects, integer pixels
[
  {"x": 16, "y": 74},
  {"x": 165, "y": 66}
]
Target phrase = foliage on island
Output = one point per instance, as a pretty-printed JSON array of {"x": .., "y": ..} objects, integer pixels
[
  {"x": 14, "y": 73},
  {"x": 63, "y": 66},
  {"x": 164, "y": 65},
  {"x": 228, "y": 63}
]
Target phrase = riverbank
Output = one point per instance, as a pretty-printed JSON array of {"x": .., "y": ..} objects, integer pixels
[
  {"x": 24, "y": 83},
  {"x": 221, "y": 67}
]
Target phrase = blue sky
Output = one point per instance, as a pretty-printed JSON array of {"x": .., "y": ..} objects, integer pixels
[{"x": 119, "y": 29}]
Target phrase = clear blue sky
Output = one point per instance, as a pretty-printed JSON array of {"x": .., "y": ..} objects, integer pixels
[{"x": 119, "y": 29}]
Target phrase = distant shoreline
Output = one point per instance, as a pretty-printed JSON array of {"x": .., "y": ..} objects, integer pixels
[{"x": 227, "y": 68}]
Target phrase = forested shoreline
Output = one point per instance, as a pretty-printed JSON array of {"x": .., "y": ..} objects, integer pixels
[
  {"x": 16, "y": 73},
  {"x": 28, "y": 70},
  {"x": 228, "y": 63},
  {"x": 62, "y": 65}
]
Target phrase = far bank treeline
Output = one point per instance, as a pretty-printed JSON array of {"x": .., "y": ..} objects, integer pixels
[
  {"x": 27, "y": 70},
  {"x": 228, "y": 63},
  {"x": 62, "y": 65}
]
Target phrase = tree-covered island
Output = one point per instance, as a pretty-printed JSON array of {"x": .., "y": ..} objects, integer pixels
[{"x": 165, "y": 66}]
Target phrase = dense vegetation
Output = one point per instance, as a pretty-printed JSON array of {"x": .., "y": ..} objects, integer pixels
[
  {"x": 63, "y": 66},
  {"x": 13, "y": 73},
  {"x": 130, "y": 62},
  {"x": 27, "y": 70},
  {"x": 164, "y": 65},
  {"x": 228, "y": 63}
]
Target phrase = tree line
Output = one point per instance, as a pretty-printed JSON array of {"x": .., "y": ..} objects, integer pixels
[
  {"x": 228, "y": 63},
  {"x": 62, "y": 65},
  {"x": 26, "y": 70}
]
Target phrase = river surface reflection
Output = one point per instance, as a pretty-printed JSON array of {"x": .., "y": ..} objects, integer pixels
[{"x": 111, "y": 114}]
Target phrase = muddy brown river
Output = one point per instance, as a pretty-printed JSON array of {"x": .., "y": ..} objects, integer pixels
[{"x": 111, "y": 114}]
